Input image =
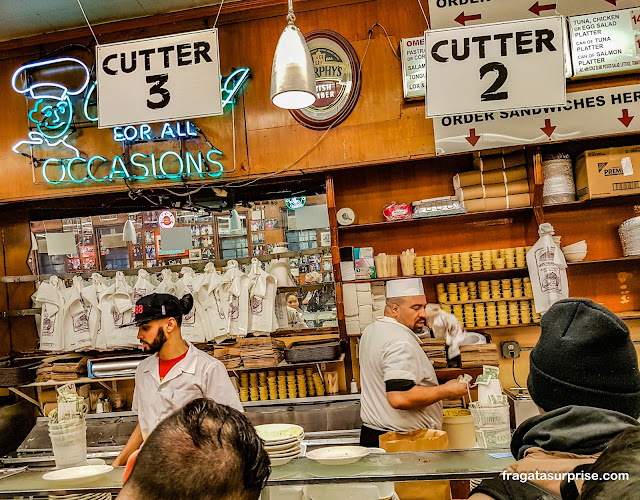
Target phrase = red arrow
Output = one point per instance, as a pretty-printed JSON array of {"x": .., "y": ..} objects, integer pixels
[
  {"x": 536, "y": 8},
  {"x": 462, "y": 19},
  {"x": 626, "y": 119},
  {"x": 473, "y": 138},
  {"x": 612, "y": 2},
  {"x": 548, "y": 129}
]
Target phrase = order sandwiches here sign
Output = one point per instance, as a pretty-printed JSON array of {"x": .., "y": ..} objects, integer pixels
[
  {"x": 166, "y": 78},
  {"x": 493, "y": 67}
]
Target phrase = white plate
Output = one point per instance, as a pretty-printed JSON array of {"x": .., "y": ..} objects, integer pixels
[
  {"x": 338, "y": 455},
  {"x": 282, "y": 447},
  {"x": 80, "y": 474},
  {"x": 282, "y": 454},
  {"x": 279, "y": 433},
  {"x": 276, "y": 462}
]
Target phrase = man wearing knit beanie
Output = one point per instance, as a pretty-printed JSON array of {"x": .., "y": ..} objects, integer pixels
[{"x": 584, "y": 376}]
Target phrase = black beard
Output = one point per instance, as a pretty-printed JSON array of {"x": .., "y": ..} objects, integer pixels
[{"x": 157, "y": 342}]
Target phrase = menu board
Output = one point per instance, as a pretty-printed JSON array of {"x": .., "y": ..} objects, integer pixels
[
  {"x": 606, "y": 42},
  {"x": 414, "y": 78}
]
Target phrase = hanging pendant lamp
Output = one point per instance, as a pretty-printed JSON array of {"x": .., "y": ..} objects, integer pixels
[
  {"x": 129, "y": 232},
  {"x": 293, "y": 80}
]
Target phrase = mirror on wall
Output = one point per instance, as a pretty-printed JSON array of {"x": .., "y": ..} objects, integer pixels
[{"x": 290, "y": 238}]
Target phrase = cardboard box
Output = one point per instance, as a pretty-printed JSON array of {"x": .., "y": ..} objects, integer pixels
[{"x": 604, "y": 173}]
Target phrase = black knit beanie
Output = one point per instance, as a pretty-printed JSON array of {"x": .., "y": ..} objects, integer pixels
[{"x": 584, "y": 357}]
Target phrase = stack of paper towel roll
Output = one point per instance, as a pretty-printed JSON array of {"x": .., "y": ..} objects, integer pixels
[
  {"x": 363, "y": 304},
  {"x": 493, "y": 187}
]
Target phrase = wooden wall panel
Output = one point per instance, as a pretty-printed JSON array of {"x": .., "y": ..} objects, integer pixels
[
  {"x": 17, "y": 243},
  {"x": 381, "y": 128}
]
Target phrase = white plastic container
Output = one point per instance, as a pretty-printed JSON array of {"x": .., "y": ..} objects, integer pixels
[
  {"x": 460, "y": 431},
  {"x": 70, "y": 448}
]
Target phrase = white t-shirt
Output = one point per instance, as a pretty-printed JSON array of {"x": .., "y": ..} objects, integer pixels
[
  {"x": 391, "y": 351},
  {"x": 196, "y": 376}
]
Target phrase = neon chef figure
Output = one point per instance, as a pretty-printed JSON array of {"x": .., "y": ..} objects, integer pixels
[{"x": 52, "y": 112}]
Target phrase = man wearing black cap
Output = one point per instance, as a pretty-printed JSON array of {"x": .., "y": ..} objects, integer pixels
[
  {"x": 175, "y": 373},
  {"x": 584, "y": 377}
]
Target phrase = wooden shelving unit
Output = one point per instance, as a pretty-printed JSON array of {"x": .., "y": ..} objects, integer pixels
[{"x": 468, "y": 217}]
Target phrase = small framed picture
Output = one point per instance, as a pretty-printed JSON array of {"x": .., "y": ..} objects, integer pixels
[
  {"x": 325, "y": 238},
  {"x": 257, "y": 225},
  {"x": 257, "y": 238},
  {"x": 195, "y": 254}
]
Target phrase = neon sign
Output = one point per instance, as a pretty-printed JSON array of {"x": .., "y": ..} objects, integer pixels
[{"x": 52, "y": 115}]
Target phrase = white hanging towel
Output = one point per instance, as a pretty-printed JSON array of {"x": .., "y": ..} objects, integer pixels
[
  {"x": 50, "y": 295},
  {"x": 193, "y": 325},
  {"x": 117, "y": 309},
  {"x": 91, "y": 295},
  {"x": 548, "y": 270},
  {"x": 238, "y": 315},
  {"x": 77, "y": 333},
  {"x": 262, "y": 298},
  {"x": 214, "y": 297}
]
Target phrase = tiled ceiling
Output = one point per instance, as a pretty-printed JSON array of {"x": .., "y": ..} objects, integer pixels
[{"x": 21, "y": 18}]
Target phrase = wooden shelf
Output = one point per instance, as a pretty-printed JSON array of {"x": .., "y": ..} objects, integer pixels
[
  {"x": 467, "y": 274},
  {"x": 616, "y": 260},
  {"x": 81, "y": 380},
  {"x": 599, "y": 202},
  {"x": 469, "y": 217},
  {"x": 484, "y": 301}
]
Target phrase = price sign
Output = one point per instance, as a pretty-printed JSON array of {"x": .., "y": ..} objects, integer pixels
[
  {"x": 166, "y": 78},
  {"x": 607, "y": 42},
  {"x": 492, "y": 67}
]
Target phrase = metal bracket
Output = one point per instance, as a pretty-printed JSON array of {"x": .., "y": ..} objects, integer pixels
[{"x": 28, "y": 398}]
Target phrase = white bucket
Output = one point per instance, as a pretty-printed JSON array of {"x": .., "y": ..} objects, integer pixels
[
  {"x": 460, "y": 430},
  {"x": 70, "y": 448}
]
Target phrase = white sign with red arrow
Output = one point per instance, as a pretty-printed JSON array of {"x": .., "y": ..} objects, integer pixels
[
  {"x": 591, "y": 113},
  {"x": 456, "y": 13},
  {"x": 510, "y": 65}
]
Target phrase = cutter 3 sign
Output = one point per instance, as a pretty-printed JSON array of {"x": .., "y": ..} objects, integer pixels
[
  {"x": 158, "y": 79},
  {"x": 518, "y": 64}
]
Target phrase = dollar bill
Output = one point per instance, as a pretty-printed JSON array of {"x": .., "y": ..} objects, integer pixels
[
  {"x": 494, "y": 371},
  {"x": 500, "y": 400},
  {"x": 484, "y": 379}
]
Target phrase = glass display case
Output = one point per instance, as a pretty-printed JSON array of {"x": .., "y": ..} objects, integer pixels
[{"x": 302, "y": 472}]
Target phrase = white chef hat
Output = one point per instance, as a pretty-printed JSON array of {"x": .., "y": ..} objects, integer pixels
[
  {"x": 23, "y": 81},
  {"x": 408, "y": 287}
]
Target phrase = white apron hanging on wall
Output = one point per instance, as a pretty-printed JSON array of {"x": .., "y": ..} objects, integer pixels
[
  {"x": 116, "y": 307},
  {"x": 238, "y": 315},
  {"x": 91, "y": 295},
  {"x": 193, "y": 328},
  {"x": 77, "y": 333},
  {"x": 262, "y": 296},
  {"x": 50, "y": 295}
]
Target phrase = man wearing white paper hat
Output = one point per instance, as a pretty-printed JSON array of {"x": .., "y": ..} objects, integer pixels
[{"x": 400, "y": 391}]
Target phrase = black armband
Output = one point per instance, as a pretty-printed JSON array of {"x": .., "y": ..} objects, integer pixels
[{"x": 399, "y": 385}]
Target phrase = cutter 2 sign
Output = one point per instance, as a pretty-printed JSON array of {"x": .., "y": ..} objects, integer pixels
[
  {"x": 492, "y": 67},
  {"x": 166, "y": 78}
]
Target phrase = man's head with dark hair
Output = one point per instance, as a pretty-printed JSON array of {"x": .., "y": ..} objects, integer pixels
[
  {"x": 204, "y": 451},
  {"x": 621, "y": 456}
]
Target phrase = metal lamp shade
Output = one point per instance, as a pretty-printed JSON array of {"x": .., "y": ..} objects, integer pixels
[
  {"x": 129, "y": 232},
  {"x": 293, "y": 80}
]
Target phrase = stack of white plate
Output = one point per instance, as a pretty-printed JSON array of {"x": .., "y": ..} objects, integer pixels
[{"x": 282, "y": 442}]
